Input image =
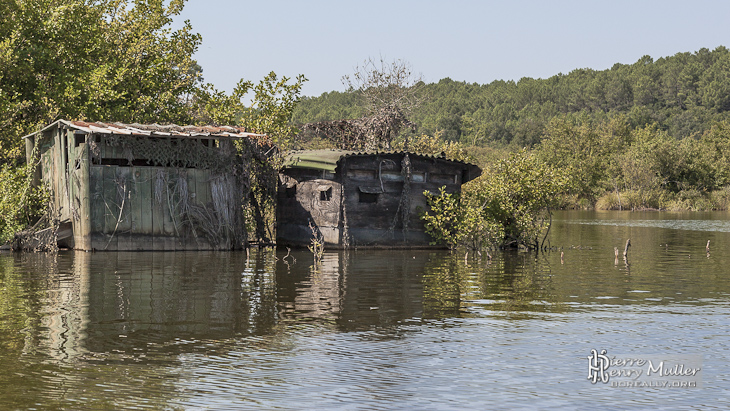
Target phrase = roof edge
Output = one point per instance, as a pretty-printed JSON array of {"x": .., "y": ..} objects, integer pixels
[
  {"x": 151, "y": 130},
  {"x": 329, "y": 157}
]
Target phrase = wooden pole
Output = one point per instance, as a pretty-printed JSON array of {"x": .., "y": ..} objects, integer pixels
[{"x": 626, "y": 249}]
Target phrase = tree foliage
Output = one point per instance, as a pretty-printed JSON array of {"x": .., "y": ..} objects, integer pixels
[
  {"x": 683, "y": 94},
  {"x": 21, "y": 203},
  {"x": 108, "y": 59},
  {"x": 113, "y": 61},
  {"x": 118, "y": 60},
  {"x": 388, "y": 93},
  {"x": 385, "y": 85},
  {"x": 508, "y": 206},
  {"x": 619, "y": 167},
  {"x": 269, "y": 111},
  {"x": 435, "y": 145},
  {"x": 652, "y": 134}
]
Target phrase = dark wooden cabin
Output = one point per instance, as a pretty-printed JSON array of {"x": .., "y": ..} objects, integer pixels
[
  {"x": 362, "y": 199},
  {"x": 121, "y": 186}
]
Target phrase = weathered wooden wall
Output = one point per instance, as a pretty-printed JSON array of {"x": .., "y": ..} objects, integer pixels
[
  {"x": 138, "y": 208},
  {"x": 309, "y": 198},
  {"x": 380, "y": 223},
  {"x": 368, "y": 200},
  {"x": 120, "y": 207}
]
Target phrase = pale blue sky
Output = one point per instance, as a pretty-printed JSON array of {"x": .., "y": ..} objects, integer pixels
[{"x": 466, "y": 40}]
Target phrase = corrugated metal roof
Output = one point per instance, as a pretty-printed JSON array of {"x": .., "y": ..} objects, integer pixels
[
  {"x": 328, "y": 159},
  {"x": 153, "y": 130}
]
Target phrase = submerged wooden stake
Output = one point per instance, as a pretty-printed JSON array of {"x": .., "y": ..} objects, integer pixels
[{"x": 626, "y": 249}]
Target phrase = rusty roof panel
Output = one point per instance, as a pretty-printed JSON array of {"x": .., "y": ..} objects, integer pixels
[{"x": 154, "y": 130}]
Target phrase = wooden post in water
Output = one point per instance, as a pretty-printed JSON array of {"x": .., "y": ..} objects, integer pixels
[{"x": 626, "y": 249}]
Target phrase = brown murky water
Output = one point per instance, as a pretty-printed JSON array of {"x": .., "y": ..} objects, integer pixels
[{"x": 371, "y": 329}]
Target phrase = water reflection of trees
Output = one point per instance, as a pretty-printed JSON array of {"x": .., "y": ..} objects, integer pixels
[
  {"x": 512, "y": 281},
  {"x": 365, "y": 288},
  {"x": 72, "y": 304}
]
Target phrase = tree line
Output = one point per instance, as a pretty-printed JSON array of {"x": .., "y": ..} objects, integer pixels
[{"x": 684, "y": 95}]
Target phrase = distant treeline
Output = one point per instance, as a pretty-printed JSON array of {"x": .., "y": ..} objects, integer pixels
[
  {"x": 683, "y": 95},
  {"x": 653, "y": 134}
]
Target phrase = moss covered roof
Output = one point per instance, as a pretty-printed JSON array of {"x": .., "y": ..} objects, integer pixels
[
  {"x": 315, "y": 159},
  {"x": 328, "y": 159}
]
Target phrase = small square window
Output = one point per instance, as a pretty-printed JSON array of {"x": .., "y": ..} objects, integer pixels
[{"x": 325, "y": 195}]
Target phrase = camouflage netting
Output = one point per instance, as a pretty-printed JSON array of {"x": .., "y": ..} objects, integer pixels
[{"x": 171, "y": 152}]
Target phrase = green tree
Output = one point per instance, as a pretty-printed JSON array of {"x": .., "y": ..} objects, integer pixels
[
  {"x": 586, "y": 151},
  {"x": 113, "y": 60},
  {"x": 508, "y": 206},
  {"x": 270, "y": 110}
]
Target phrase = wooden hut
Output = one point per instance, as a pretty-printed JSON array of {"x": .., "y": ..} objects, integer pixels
[
  {"x": 361, "y": 199},
  {"x": 121, "y": 186}
]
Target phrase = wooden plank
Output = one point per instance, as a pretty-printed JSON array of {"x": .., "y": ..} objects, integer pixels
[
  {"x": 97, "y": 210},
  {"x": 145, "y": 201},
  {"x": 158, "y": 215},
  {"x": 57, "y": 170},
  {"x": 136, "y": 205},
  {"x": 82, "y": 227},
  {"x": 65, "y": 209},
  {"x": 144, "y": 187},
  {"x": 72, "y": 177},
  {"x": 203, "y": 194},
  {"x": 193, "y": 236},
  {"x": 111, "y": 207},
  {"x": 176, "y": 230},
  {"x": 124, "y": 227},
  {"x": 102, "y": 146},
  {"x": 168, "y": 227}
]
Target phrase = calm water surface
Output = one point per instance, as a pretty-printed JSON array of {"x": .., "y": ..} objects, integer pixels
[{"x": 371, "y": 329}]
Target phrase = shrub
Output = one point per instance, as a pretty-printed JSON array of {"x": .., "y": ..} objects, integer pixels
[
  {"x": 21, "y": 204},
  {"x": 508, "y": 206}
]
